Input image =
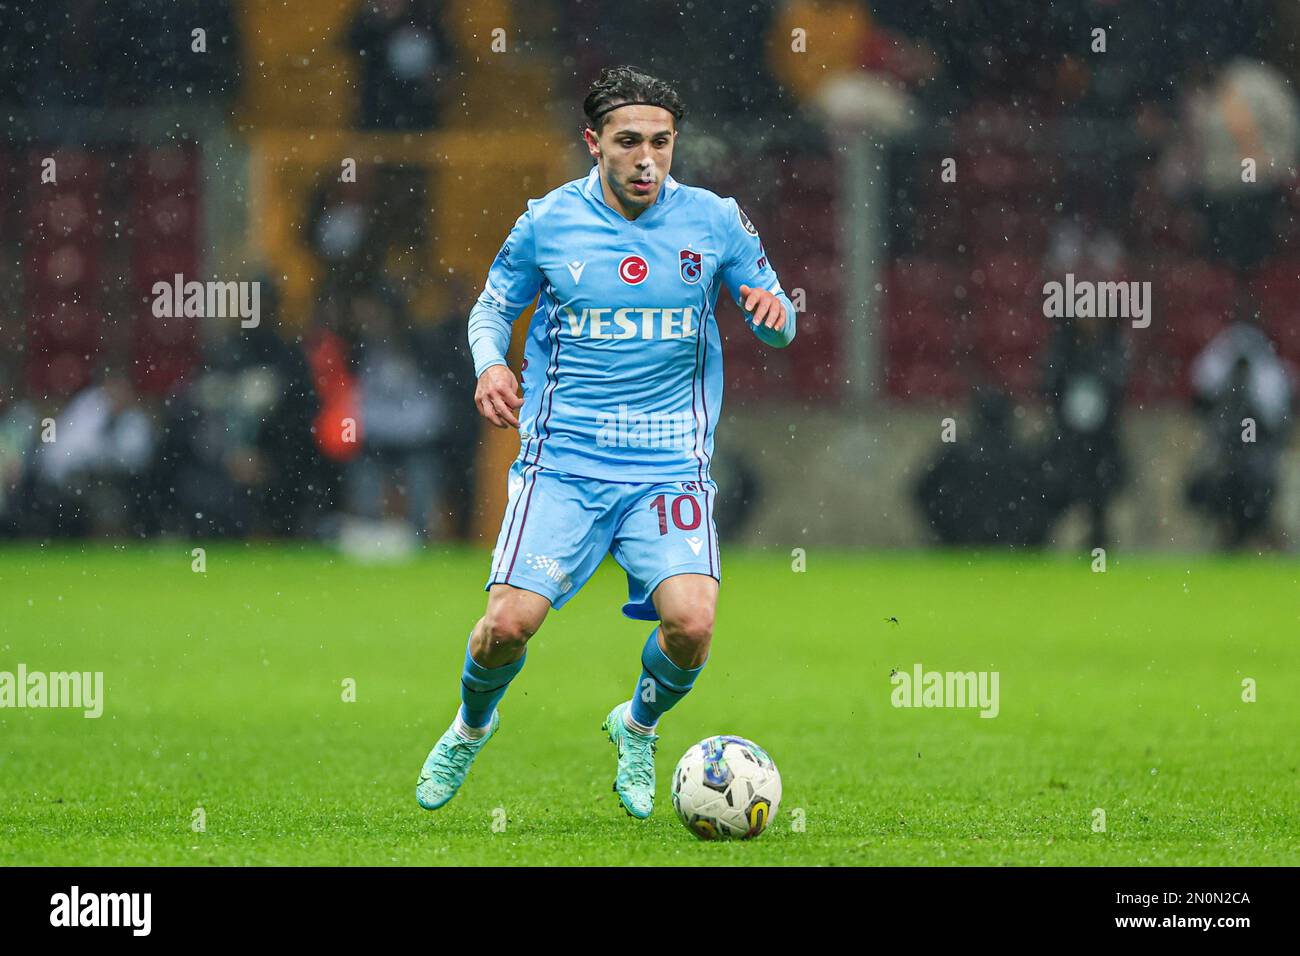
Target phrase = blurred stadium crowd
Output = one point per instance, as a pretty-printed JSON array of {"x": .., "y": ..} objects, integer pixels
[{"x": 1123, "y": 163}]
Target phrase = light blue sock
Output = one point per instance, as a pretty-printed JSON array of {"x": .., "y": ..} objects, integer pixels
[
  {"x": 662, "y": 683},
  {"x": 481, "y": 688}
]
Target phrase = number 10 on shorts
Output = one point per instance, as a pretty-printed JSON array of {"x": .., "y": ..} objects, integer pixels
[{"x": 683, "y": 523}]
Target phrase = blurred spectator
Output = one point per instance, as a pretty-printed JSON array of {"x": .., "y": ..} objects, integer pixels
[
  {"x": 1087, "y": 371},
  {"x": 402, "y": 413},
  {"x": 1242, "y": 389},
  {"x": 90, "y": 477},
  {"x": 405, "y": 55},
  {"x": 195, "y": 491},
  {"x": 280, "y": 452},
  {"x": 237, "y": 455},
  {"x": 328, "y": 355},
  {"x": 1077, "y": 245},
  {"x": 452, "y": 370},
  {"x": 979, "y": 490},
  {"x": 1237, "y": 110},
  {"x": 340, "y": 229}
]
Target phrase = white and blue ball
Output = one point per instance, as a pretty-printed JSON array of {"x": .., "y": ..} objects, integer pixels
[{"x": 726, "y": 787}]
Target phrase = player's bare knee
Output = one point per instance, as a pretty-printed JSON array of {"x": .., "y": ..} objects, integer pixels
[
  {"x": 508, "y": 627},
  {"x": 687, "y": 634}
]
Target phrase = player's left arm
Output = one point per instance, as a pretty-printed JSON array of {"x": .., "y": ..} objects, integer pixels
[{"x": 754, "y": 286}]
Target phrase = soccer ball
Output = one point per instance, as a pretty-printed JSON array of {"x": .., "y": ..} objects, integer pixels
[{"x": 726, "y": 787}]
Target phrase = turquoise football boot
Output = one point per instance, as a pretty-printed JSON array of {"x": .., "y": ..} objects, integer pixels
[
  {"x": 635, "y": 781},
  {"x": 447, "y": 765}
]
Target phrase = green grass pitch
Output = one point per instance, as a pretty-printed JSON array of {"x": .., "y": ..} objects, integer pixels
[{"x": 1119, "y": 690}]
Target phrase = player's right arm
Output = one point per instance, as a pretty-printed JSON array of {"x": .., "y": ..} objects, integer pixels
[
  {"x": 512, "y": 284},
  {"x": 745, "y": 270}
]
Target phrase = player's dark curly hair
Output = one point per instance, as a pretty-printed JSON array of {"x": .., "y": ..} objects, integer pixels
[{"x": 627, "y": 84}]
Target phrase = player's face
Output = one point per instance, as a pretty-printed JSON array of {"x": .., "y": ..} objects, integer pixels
[{"x": 635, "y": 152}]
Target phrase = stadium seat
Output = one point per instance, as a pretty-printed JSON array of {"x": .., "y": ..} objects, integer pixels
[
  {"x": 921, "y": 305},
  {"x": 165, "y": 197},
  {"x": 58, "y": 374},
  {"x": 58, "y": 217},
  {"x": 162, "y": 355},
  {"x": 923, "y": 335},
  {"x": 1014, "y": 226},
  {"x": 816, "y": 371},
  {"x": 163, "y": 263},
  {"x": 64, "y": 272},
  {"x": 77, "y": 172},
  {"x": 1006, "y": 302},
  {"x": 65, "y": 325}
]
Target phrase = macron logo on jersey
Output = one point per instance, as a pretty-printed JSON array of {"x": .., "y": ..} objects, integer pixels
[{"x": 634, "y": 323}]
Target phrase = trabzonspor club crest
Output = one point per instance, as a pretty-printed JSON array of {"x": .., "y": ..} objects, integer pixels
[{"x": 691, "y": 266}]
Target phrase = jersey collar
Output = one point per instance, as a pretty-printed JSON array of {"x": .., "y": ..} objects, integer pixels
[{"x": 597, "y": 195}]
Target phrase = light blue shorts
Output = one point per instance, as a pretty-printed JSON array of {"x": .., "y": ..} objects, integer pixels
[{"x": 558, "y": 528}]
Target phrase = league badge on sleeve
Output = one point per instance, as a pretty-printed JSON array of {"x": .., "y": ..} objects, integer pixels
[
  {"x": 690, "y": 265},
  {"x": 744, "y": 221}
]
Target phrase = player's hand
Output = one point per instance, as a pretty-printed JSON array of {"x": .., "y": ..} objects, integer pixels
[
  {"x": 497, "y": 396},
  {"x": 764, "y": 308}
]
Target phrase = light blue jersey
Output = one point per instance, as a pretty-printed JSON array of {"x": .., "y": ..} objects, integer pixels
[{"x": 622, "y": 373}]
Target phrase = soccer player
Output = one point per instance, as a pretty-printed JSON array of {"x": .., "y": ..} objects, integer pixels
[{"x": 622, "y": 387}]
